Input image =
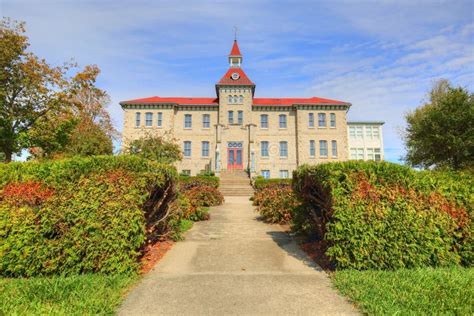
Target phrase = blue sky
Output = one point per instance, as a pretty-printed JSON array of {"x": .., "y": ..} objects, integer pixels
[{"x": 382, "y": 56}]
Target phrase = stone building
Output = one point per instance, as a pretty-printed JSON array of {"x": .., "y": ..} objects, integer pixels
[{"x": 235, "y": 130}]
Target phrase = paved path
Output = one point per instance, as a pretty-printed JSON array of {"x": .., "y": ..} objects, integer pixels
[{"x": 234, "y": 264}]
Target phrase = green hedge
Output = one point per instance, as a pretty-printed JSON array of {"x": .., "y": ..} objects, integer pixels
[
  {"x": 188, "y": 182},
  {"x": 385, "y": 216},
  {"x": 261, "y": 183},
  {"x": 79, "y": 215}
]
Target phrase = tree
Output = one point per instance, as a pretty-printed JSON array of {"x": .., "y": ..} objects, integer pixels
[
  {"x": 93, "y": 130},
  {"x": 44, "y": 110},
  {"x": 441, "y": 133},
  {"x": 30, "y": 89},
  {"x": 155, "y": 148},
  {"x": 94, "y": 133}
]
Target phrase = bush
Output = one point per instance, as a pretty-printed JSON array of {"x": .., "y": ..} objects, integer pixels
[
  {"x": 187, "y": 182},
  {"x": 80, "y": 215},
  {"x": 276, "y": 203},
  {"x": 261, "y": 183},
  {"x": 204, "y": 196},
  {"x": 386, "y": 216}
]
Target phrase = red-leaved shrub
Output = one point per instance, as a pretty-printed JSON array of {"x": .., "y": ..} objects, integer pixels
[{"x": 29, "y": 193}]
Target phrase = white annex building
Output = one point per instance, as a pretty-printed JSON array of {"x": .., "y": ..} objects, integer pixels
[{"x": 263, "y": 136}]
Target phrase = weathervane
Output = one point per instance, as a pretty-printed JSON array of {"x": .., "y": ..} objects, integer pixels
[{"x": 235, "y": 33}]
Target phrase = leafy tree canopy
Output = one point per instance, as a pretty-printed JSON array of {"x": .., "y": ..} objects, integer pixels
[
  {"x": 440, "y": 133},
  {"x": 45, "y": 109},
  {"x": 155, "y": 148}
]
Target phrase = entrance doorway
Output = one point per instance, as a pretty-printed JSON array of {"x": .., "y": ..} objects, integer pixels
[{"x": 234, "y": 156}]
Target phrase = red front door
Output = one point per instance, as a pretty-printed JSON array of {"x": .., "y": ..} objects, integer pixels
[{"x": 234, "y": 158}]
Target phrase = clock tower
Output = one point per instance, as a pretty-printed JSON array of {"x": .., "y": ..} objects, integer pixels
[{"x": 235, "y": 92}]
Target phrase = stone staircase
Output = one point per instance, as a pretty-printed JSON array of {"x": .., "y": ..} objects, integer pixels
[{"x": 235, "y": 183}]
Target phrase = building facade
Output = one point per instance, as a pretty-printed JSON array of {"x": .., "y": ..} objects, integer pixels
[
  {"x": 365, "y": 140},
  {"x": 235, "y": 130}
]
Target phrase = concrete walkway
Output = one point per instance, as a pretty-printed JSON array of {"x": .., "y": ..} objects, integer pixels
[{"x": 234, "y": 264}]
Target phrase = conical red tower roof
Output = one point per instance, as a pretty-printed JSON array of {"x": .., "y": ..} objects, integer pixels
[{"x": 235, "y": 51}]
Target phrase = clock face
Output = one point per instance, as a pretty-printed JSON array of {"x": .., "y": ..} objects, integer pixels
[{"x": 235, "y": 76}]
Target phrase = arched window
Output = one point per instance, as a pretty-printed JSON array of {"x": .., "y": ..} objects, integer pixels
[
  {"x": 235, "y": 99},
  {"x": 230, "y": 99},
  {"x": 241, "y": 99}
]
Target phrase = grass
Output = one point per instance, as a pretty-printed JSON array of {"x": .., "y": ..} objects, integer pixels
[
  {"x": 91, "y": 294},
  {"x": 410, "y": 292}
]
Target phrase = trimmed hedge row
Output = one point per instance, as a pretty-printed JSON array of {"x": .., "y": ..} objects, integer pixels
[
  {"x": 188, "y": 182},
  {"x": 80, "y": 215},
  {"x": 379, "y": 215},
  {"x": 261, "y": 183}
]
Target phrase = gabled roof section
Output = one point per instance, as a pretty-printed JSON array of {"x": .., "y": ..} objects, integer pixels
[
  {"x": 295, "y": 101},
  {"x": 173, "y": 100},
  {"x": 235, "y": 51},
  {"x": 243, "y": 79}
]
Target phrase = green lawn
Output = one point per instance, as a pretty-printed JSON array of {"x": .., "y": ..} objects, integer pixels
[
  {"x": 77, "y": 295},
  {"x": 410, "y": 292}
]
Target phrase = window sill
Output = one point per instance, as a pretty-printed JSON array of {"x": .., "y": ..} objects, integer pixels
[
  {"x": 323, "y": 157},
  {"x": 188, "y": 128},
  {"x": 284, "y": 158},
  {"x": 322, "y": 127},
  {"x": 282, "y": 128}
]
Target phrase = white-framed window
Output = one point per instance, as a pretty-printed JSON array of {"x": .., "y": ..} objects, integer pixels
[
  {"x": 323, "y": 148},
  {"x": 188, "y": 121},
  {"x": 187, "y": 149},
  {"x": 284, "y": 174},
  {"x": 282, "y": 120},
  {"x": 310, "y": 119},
  {"x": 357, "y": 153},
  {"x": 241, "y": 99},
  {"x": 377, "y": 154},
  {"x": 206, "y": 120},
  {"x": 334, "y": 148},
  {"x": 359, "y": 132},
  {"x": 264, "y": 148},
  {"x": 352, "y": 132},
  {"x": 353, "y": 153},
  {"x": 332, "y": 119},
  {"x": 264, "y": 121},
  {"x": 230, "y": 117},
  {"x": 240, "y": 117},
  {"x": 375, "y": 131},
  {"x": 312, "y": 148},
  {"x": 138, "y": 119},
  {"x": 159, "y": 119},
  {"x": 283, "y": 149},
  {"x": 368, "y": 131},
  {"x": 321, "y": 119},
  {"x": 370, "y": 154},
  {"x": 265, "y": 174},
  {"x": 148, "y": 119},
  {"x": 205, "y": 149},
  {"x": 230, "y": 99},
  {"x": 236, "y": 99}
]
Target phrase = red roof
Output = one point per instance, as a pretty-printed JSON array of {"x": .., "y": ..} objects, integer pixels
[
  {"x": 176, "y": 100},
  {"x": 291, "y": 101},
  {"x": 214, "y": 101},
  {"x": 243, "y": 79},
  {"x": 235, "y": 51}
]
